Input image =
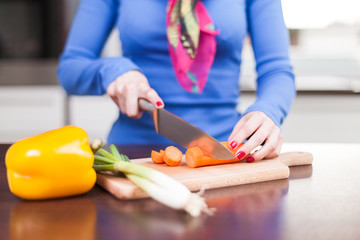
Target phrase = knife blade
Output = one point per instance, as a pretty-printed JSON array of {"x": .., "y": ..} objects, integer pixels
[{"x": 184, "y": 133}]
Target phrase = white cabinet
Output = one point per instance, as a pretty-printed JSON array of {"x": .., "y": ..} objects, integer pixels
[
  {"x": 26, "y": 111},
  {"x": 324, "y": 118},
  {"x": 95, "y": 114}
]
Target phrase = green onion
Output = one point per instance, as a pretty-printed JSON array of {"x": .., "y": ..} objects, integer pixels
[{"x": 158, "y": 185}]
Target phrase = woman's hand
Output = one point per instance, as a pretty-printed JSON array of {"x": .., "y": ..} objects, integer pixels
[
  {"x": 128, "y": 88},
  {"x": 258, "y": 127}
]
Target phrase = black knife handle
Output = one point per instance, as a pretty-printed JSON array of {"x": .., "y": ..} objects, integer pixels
[{"x": 146, "y": 106}]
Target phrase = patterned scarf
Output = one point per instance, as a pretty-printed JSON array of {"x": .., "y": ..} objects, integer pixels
[{"x": 192, "y": 45}]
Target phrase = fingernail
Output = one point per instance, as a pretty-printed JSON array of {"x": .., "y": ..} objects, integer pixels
[
  {"x": 240, "y": 155},
  {"x": 250, "y": 159},
  {"x": 159, "y": 104},
  {"x": 233, "y": 144}
]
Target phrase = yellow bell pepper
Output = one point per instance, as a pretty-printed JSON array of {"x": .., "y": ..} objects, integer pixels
[{"x": 57, "y": 163}]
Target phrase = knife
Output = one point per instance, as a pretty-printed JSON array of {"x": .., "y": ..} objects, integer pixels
[{"x": 184, "y": 133}]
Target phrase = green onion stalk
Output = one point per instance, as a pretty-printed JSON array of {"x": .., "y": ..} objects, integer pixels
[{"x": 156, "y": 184}]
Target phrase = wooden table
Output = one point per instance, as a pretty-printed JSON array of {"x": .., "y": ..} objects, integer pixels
[{"x": 321, "y": 201}]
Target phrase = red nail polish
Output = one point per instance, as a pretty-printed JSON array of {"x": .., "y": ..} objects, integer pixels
[
  {"x": 250, "y": 159},
  {"x": 233, "y": 144},
  {"x": 158, "y": 103},
  {"x": 240, "y": 155}
]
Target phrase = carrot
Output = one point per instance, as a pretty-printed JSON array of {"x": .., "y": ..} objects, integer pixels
[
  {"x": 226, "y": 144},
  {"x": 195, "y": 158},
  {"x": 157, "y": 157},
  {"x": 173, "y": 156}
]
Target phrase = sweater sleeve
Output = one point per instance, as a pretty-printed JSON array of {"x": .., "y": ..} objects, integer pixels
[
  {"x": 275, "y": 79},
  {"x": 81, "y": 71}
]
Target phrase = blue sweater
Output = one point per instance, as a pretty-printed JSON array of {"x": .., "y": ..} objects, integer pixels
[{"x": 141, "y": 24}]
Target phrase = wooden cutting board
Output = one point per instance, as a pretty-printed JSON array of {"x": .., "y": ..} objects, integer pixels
[{"x": 209, "y": 176}]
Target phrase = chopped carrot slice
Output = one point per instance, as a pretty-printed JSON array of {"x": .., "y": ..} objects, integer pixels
[
  {"x": 195, "y": 158},
  {"x": 173, "y": 156},
  {"x": 157, "y": 157}
]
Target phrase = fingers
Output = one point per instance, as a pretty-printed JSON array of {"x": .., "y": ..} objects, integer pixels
[
  {"x": 259, "y": 129},
  {"x": 276, "y": 152},
  {"x": 128, "y": 88},
  {"x": 254, "y": 141},
  {"x": 151, "y": 95},
  {"x": 245, "y": 128},
  {"x": 271, "y": 148},
  {"x": 113, "y": 91},
  {"x": 239, "y": 125},
  {"x": 131, "y": 100}
]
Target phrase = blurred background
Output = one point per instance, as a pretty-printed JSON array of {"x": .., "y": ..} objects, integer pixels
[{"x": 325, "y": 53}]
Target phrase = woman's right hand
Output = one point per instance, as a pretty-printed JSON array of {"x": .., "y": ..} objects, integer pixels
[{"x": 128, "y": 88}]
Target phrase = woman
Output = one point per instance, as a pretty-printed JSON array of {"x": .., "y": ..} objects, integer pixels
[{"x": 185, "y": 55}]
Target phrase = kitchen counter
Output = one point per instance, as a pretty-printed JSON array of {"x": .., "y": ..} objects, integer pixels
[{"x": 320, "y": 201}]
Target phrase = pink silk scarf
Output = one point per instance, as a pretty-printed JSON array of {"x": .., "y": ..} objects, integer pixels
[{"x": 192, "y": 45}]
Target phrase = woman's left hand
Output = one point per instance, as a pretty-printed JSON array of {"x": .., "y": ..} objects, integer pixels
[{"x": 259, "y": 128}]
